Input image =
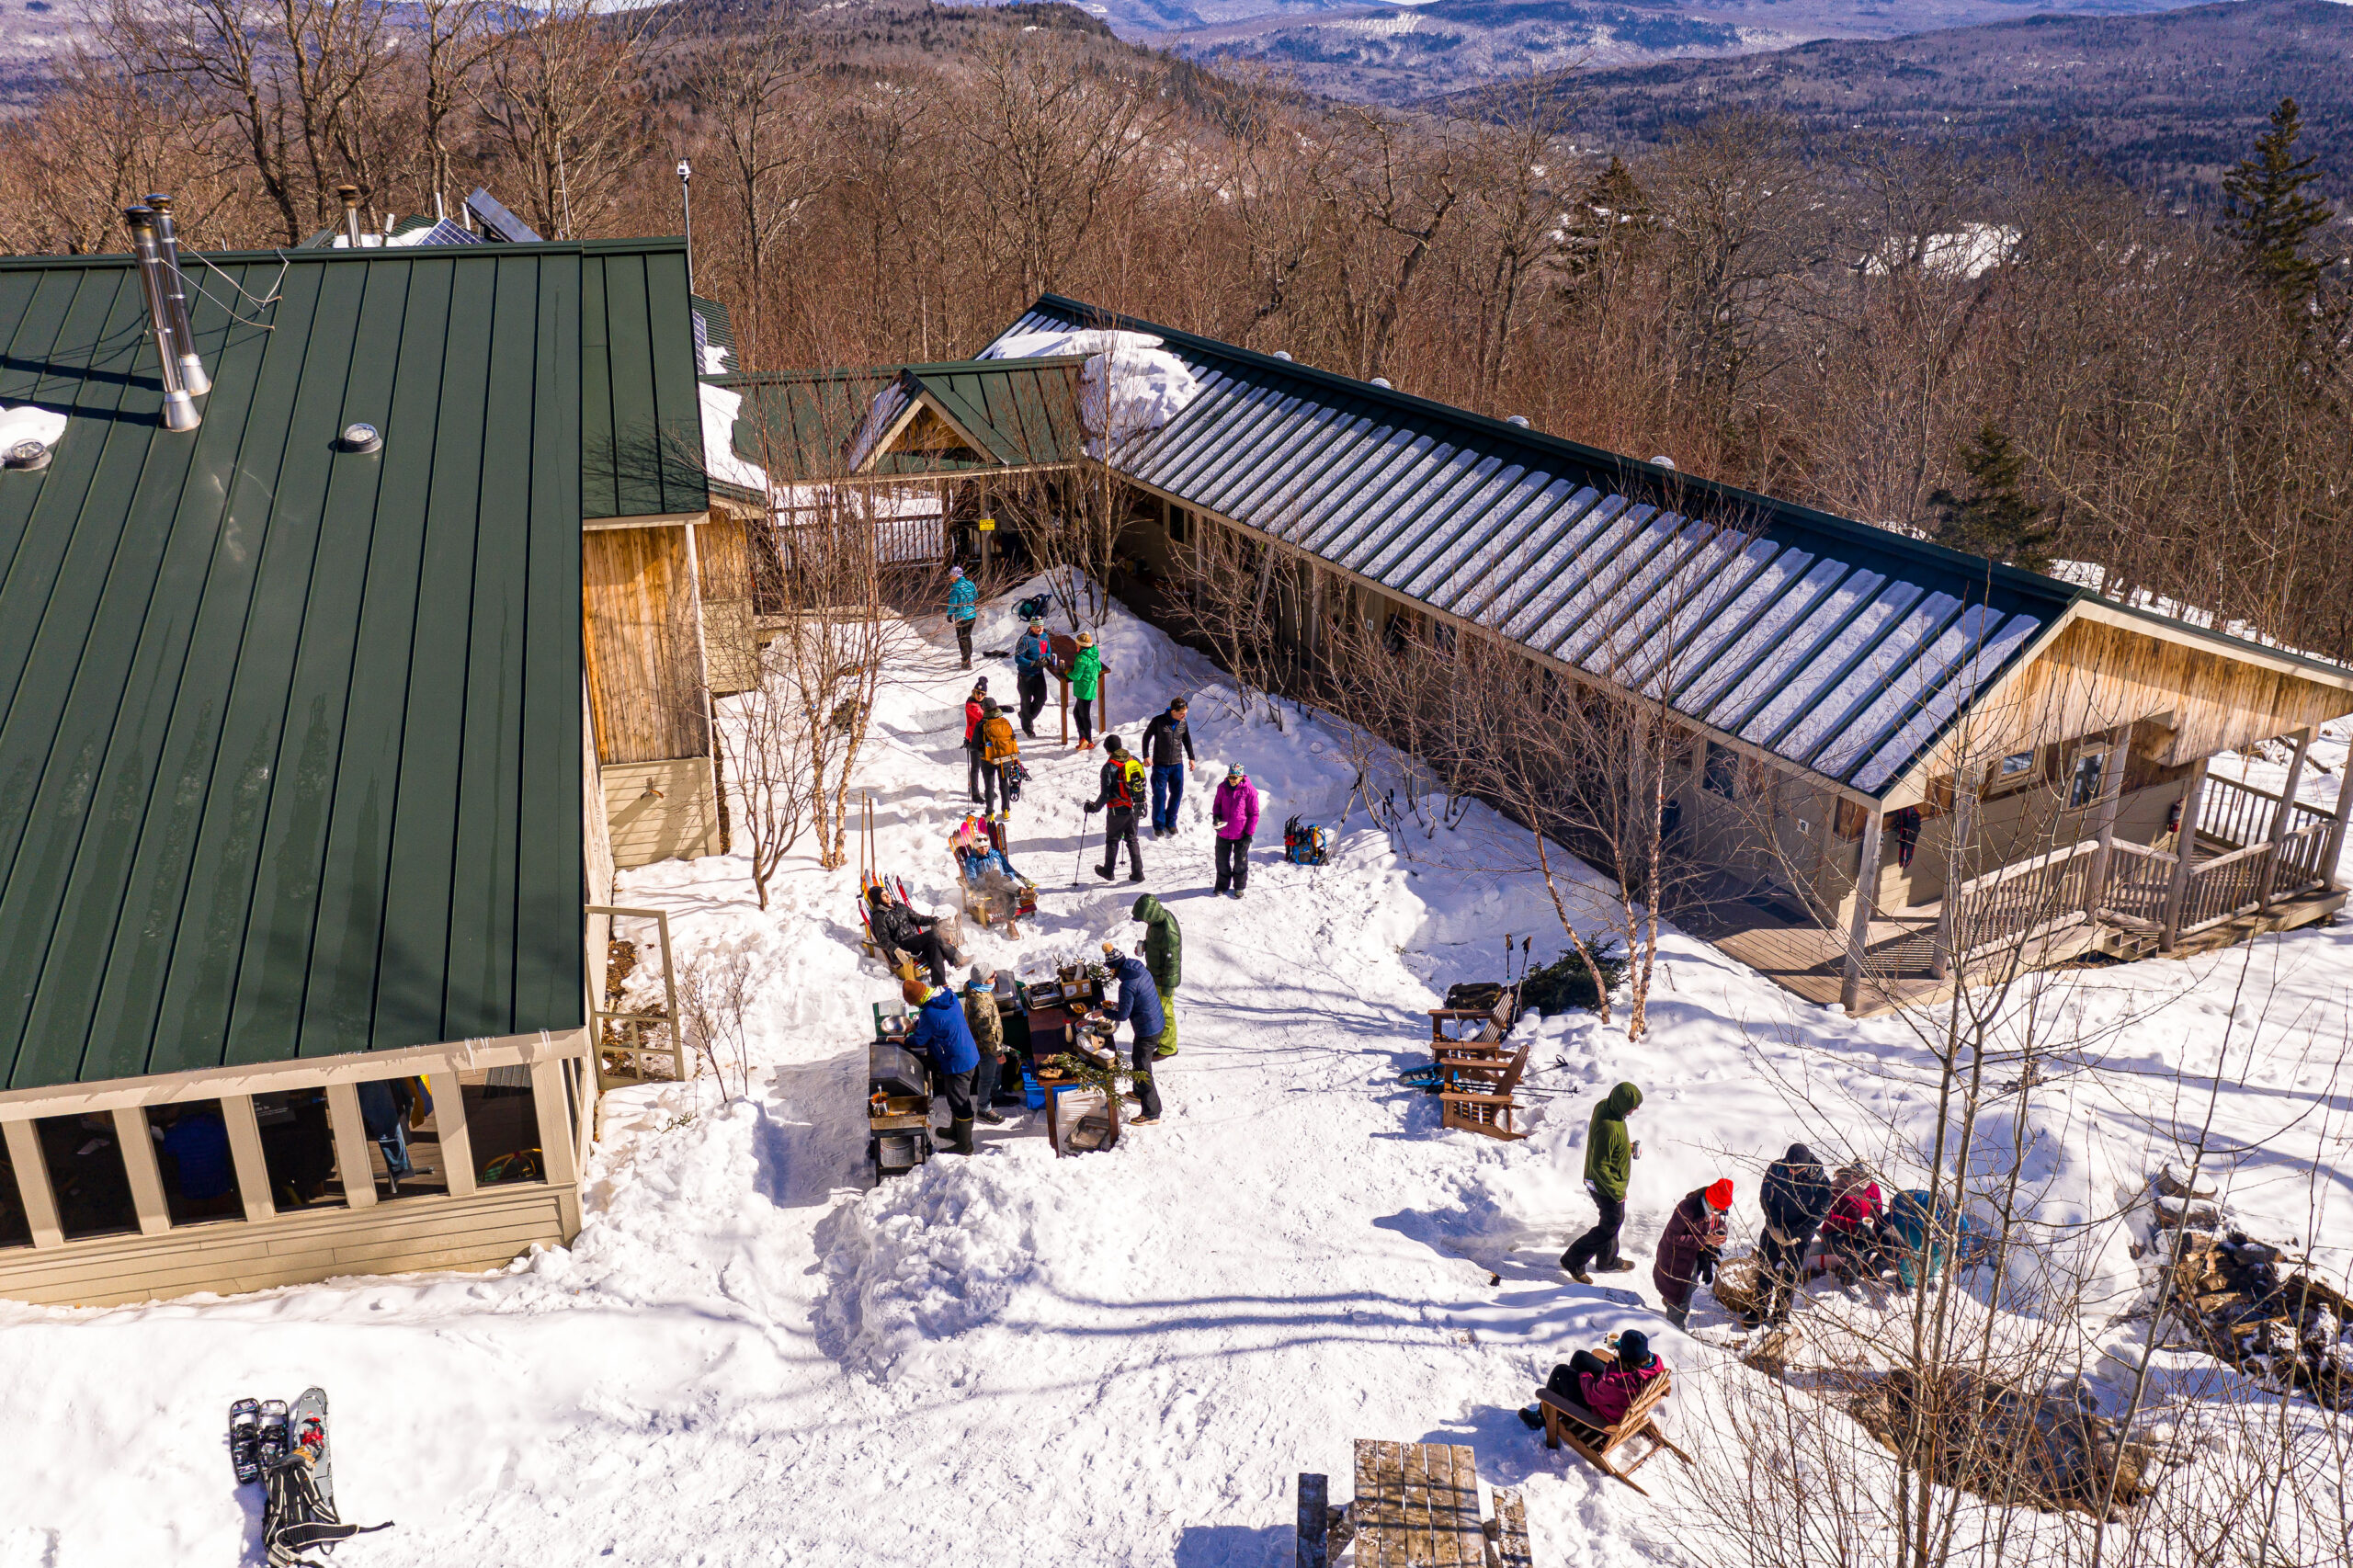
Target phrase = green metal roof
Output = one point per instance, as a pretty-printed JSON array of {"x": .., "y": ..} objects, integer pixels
[
  {"x": 812, "y": 426},
  {"x": 290, "y": 750}
]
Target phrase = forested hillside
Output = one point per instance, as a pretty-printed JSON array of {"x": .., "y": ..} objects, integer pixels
[{"x": 1854, "y": 321}]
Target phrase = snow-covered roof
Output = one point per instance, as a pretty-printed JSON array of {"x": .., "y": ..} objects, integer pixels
[{"x": 1839, "y": 648}]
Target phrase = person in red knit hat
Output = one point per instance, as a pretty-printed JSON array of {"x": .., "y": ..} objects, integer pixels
[{"x": 1692, "y": 1246}]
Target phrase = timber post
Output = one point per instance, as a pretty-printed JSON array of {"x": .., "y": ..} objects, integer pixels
[
  {"x": 2336, "y": 827},
  {"x": 1858, "y": 930},
  {"x": 1949, "y": 929},
  {"x": 2185, "y": 848},
  {"x": 2111, "y": 795},
  {"x": 2283, "y": 821}
]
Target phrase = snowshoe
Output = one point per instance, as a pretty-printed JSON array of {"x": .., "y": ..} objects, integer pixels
[
  {"x": 310, "y": 1434},
  {"x": 271, "y": 1446},
  {"x": 244, "y": 1440}
]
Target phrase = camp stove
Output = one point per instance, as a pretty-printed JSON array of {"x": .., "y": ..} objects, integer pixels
[{"x": 898, "y": 1108}]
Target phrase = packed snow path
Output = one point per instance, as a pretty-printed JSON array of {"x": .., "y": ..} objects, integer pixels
[{"x": 1124, "y": 1359}]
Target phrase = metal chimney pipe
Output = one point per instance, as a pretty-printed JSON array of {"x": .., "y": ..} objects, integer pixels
[
  {"x": 167, "y": 243},
  {"x": 350, "y": 194},
  {"x": 179, "y": 409}
]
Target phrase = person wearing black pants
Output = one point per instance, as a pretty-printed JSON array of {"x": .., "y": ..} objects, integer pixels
[
  {"x": 1122, "y": 781},
  {"x": 1031, "y": 658},
  {"x": 1609, "y": 1166},
  {"x": 1139, "y": 1004},
  {"x": 1600, "y": 1244},
  {"x": 900, "y": 929},
  {"x": 973, "y": 713},
  {"x": 1796, "y": 1196}
]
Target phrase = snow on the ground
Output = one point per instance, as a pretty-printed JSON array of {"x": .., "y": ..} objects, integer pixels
[{"x": 1125, "y": 1358}]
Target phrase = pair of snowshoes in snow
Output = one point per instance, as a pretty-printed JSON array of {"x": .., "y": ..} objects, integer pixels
[{"x": 284, "y": 1449}]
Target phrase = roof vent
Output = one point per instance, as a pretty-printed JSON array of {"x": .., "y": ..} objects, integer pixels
[
  {"x": 350, "y": 194},
  {"x": 1663, "y": 462},
  {"x": 179, "y": 409},
  {"x": 1520, "y": 420},
  {"x": 360, "y": 437},
  {"x": 1383, "y": 382},
  {"x": 167, "y": 243},
  {"x": 1283, "y": 354}
]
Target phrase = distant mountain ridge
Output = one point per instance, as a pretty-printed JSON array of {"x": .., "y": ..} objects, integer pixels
[
  {"x": 2168, "y": 100},
  {"x": 1401, "y": 53}
]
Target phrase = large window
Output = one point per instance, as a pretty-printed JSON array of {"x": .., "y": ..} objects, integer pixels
[
  {"x": 404, "y": 1153},
  {"x": 2084, "y": 778},
  {"x": 503, "y": 1125},
  {"x": 192, "y": 1156},
  {"x": 88, "y": 1176},
  {"x": 15, "y": 1227},
  {"x": 298, "y": 1147}
]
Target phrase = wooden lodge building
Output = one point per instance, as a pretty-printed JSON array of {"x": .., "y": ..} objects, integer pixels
[
  {"x": 300, "y": 791},
  {"x": 1864, "y": 708}
]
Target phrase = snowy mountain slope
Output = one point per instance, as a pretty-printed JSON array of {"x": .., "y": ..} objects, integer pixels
[{"x": 1124, "y": 1359}]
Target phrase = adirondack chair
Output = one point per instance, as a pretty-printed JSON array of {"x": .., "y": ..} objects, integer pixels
[
  {"x": 1488, "y": 1108},
  {"x": 1567, "y": 1421}
]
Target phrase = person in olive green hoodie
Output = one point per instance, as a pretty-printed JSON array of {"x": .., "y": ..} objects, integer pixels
[
  {"x": 1162, "y": 951},
  {"x": 1608, "y": 1165}
]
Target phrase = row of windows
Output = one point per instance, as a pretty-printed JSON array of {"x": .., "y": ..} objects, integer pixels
[{"x": 90, "y": 1181}]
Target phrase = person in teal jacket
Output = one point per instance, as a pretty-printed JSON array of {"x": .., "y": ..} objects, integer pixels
[
  {"x": 1085, "y": 680},
  {"x": 963, "y": 604},
  {"x": 1608, "y": 1167}
]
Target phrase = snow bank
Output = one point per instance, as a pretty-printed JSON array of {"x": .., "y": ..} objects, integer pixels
[
  {"x": 1145, "y": 384},
  {"x": 922, "y": 1261}
]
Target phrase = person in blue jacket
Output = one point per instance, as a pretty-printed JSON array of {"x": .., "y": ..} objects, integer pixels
[
  {"x": 963, "y": 604},
  {"x": 941, "y": 1037},
  {"x": 1032, "y": 657},
  {"x": 1139, "y": 1006}
]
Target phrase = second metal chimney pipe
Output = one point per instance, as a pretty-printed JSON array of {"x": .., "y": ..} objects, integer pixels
[
  {"x": 179, "y": 409},
  {"x": 167, "y": 243},
  {"x": 350, "y": 194}
]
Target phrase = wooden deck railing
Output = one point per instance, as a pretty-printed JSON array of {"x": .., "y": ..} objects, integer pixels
[
  {"x": 2246, "y": 880},
  {"x": 2032, "y": 898},
  {"x": 2241, "y": 815},
  {"x": 2018, "y": 903},
  {"x": 2138, "y": 877}
]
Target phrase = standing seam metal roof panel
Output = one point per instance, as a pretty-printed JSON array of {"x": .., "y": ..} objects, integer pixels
[
  {"x": 1388, "y": 486},
  {"x": 290, "y": 761}
]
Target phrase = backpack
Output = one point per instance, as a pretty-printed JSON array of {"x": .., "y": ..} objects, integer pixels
[
  {"x": 1304, "y": 844},
  {"x": 1028, "y": 609}
]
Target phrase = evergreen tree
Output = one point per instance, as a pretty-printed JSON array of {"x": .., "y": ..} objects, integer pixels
[
  {"x": 2268, "y": 212},
  {"x": 1611, "y": 203},
  {"x": 1994, "y": 518}
]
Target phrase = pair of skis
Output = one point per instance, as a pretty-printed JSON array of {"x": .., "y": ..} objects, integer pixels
[{"x": 266, "y": 1433}]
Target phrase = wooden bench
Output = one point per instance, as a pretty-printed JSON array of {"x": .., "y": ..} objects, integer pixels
[
  {"x": 1416, "y": 1506},
  {"x": 1567, "y": 1421},
  {"x": 1487, "y": 1107}
]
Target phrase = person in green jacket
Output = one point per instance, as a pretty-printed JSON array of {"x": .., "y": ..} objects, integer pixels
[
  {"x": 1162, "y": 951},
  {"x": 1085, "y": 680},
  {"x": 1608, "y": 1165}
]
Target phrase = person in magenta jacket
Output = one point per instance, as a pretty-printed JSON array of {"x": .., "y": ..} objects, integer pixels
[{"x": 1235, "y": 813}]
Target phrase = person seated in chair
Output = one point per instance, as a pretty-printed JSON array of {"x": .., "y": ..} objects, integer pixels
[
  {"x": 982, "y": 863},
  {"x": 901, "y": 931},
  {"x": 1606, "y": 1389},
  {"x": 1855, "y": 1243}
]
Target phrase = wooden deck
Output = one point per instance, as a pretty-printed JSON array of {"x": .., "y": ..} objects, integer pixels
[{"x": 1790, "y": 948}]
